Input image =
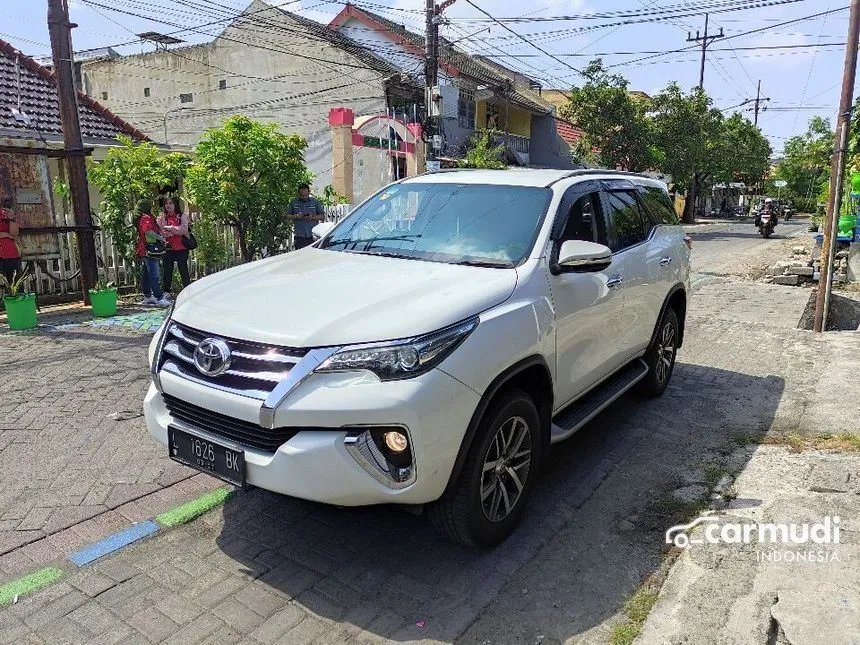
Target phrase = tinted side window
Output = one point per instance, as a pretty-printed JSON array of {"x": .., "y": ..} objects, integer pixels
[
  {"x": 582, "y": 220},
  {"x": 626, "y": 220},
  {"x": 659, "y": 205}
]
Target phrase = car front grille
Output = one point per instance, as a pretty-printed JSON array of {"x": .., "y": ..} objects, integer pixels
[
  {"x": 241, "y": 432},
  {"x": 255, "y": 369}
]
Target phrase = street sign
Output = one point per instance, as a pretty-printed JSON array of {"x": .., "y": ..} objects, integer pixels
[{"x": 780, "y": 183}]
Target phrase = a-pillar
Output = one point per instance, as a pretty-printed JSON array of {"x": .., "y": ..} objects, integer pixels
[
  {"x": 341, "y": 121},
  {"x": 415, "y": 160}
]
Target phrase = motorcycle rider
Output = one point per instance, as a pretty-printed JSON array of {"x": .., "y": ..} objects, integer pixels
[{"x": 766, "y": 208}]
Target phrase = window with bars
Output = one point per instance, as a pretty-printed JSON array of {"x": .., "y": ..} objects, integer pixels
[
  {"x": 146, "y": 91},
  {"x": 222, "y": 84},
  {"x": 104, "y": 96},
  {"x": 186, "y": 98},
  {"x": 466, "y": 109}
]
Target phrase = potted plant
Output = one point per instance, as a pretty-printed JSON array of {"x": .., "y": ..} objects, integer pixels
[
  {"x": 20, "y": 305},
  {"x": 103, "y": 299}
]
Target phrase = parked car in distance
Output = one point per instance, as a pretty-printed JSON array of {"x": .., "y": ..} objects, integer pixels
[{"x": 431, "y": 347}]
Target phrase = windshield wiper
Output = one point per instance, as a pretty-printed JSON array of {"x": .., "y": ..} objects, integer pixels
[
  {"x": 345, "y": 241},
  {"x": 387, "y": 254},
  {"x": 486, "y": 264},
  {"x": 392, "y": 238}
]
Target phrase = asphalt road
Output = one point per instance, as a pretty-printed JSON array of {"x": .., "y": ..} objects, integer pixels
[{"x": 716, "y": 245}]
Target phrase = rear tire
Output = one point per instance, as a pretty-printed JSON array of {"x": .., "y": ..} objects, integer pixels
[
  {"x": 491, "y": 492},
  {"x": 660, "y": 357}
]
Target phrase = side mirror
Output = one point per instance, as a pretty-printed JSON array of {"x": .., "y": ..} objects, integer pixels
[
  {"x": 321, "y": 230},
  {"x": 579, "y": 255}
]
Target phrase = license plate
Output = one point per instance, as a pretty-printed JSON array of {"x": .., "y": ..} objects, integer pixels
[{"x": 206, "y": 456}]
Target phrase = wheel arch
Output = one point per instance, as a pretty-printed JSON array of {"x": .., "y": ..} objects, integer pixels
[
  {"x": 677, "y": 300},
  {"x": 531, "y": 374}
]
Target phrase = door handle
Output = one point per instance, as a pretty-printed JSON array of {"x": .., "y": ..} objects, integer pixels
[
  {"x": 615, "y": 281},
  {"x": 664, "y": 262}
]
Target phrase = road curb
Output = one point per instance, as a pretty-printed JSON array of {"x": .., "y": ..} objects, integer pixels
[
  {"x": 11, "y": 591},
  {"x": 42, "y": 578}
]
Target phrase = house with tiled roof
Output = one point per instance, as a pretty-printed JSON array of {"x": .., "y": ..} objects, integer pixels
[
  {"x": 477, "y": 92},
  {"x": 269, "y": 64},
  {"x": 31, "y": 151}
]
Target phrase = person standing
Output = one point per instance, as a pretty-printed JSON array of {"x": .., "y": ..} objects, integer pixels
[
  {"x": 173, "y": 224},
  {"x": 10, "y": 256},
  {"x": 306, "y": 212},
  {"x": 149, "y": 241}
]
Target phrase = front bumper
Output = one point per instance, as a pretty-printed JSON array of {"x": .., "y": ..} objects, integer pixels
[{"x": 315, "y": 464}]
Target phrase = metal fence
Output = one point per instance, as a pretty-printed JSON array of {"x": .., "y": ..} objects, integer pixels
[{"x": 58, "y": 277}]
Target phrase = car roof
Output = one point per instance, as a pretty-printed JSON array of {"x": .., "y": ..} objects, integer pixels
[{"x": 536, "y": 177}]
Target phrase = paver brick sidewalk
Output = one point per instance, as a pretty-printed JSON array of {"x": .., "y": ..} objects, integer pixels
[{"x": 76, "y": 462}]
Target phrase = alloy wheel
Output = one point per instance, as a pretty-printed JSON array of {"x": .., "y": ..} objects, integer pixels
[
  {"x": 506, "y": 468},
  {"x": 665, "y": 352}
]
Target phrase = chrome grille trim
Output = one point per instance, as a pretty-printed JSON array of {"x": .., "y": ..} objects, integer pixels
[{"x": 256, "y": 370}]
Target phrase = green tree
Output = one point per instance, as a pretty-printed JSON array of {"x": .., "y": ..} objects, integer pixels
[
  {"x": 130, "y": 172},
  {"x": 245, "y": 174},
  {"x": 616, "y": 130},
  {"x": 687, "y": 131},
  {"x": 330, "y": 197},
  {"x": 740, "y": 153},
  {"x": 212, "y": 253},
  {"x": 484, "y": 153},
  {"x": 805, "y": 165}
]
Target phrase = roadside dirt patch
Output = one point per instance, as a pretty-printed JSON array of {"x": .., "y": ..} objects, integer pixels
[{"x": 844, "y": 312}]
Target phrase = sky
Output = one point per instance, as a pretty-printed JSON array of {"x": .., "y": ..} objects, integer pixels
[{"x": 801, "y": 81}]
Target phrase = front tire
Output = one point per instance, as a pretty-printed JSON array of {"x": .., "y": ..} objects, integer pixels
[
  {"x": 660, "y": 357},
  {"x": 492, "y": 490}
]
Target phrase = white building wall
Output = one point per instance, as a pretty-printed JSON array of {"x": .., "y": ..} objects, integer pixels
[
  {"x": 267, "y": 61},
  {"x": 382, "y": 45}
]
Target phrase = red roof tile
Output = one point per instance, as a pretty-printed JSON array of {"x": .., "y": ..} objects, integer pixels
[{"x": 38, "y": 99}]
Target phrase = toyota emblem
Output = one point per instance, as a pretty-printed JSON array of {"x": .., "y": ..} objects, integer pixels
[{"x": 212, "y": 357}]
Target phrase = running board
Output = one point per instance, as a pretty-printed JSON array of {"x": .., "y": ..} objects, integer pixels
[{"x": 585, "y": 409}]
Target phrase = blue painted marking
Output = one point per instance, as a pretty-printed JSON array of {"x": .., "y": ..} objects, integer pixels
[{"x": 113, "y": 543}]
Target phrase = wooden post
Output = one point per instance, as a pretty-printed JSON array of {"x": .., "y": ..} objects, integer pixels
[
  {"x": 834, "y": 203},
  {"x": 61, "y": 46}
]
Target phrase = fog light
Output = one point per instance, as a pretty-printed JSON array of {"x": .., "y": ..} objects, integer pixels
[{"x": 395, "y": 441}]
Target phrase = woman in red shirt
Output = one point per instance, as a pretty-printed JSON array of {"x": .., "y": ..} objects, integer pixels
[
  {"x": 174, "y": 225},
  {"x": 148, "y": 233},
  {"x": 10, "y": 257}
]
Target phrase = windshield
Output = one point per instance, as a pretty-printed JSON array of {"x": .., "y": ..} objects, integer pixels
[{"x": 476, "y": 224}]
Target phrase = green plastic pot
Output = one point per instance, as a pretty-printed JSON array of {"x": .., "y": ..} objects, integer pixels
[
  {"x": 103, "y": 302},
  {"x": 847, "y": 224},
  {"x": 21, "y": 311}
]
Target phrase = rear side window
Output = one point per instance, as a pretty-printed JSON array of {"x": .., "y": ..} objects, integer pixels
[
  {"x": 626, "y": 220},
  {"x": 659, "y": 205}
]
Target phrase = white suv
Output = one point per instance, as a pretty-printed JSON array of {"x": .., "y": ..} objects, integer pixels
[{"x": 431, "y": 346}]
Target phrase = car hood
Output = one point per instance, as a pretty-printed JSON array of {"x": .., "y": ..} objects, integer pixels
[{"x": 315, "y": 298}]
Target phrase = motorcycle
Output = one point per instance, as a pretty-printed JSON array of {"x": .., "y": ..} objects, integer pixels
[
  {"x": 767, "y": 222},
  {"x": 787, "y": 212}
]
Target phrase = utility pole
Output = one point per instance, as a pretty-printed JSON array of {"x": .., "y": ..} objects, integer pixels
[
  {"x": 433, "y": 18},
  {"x": 758, "y": 100},
  {"x": 431, "y": 69},
  {"x": 837, "y": 172},
  {"x": 60, "y": 29},
  {"x": 705, "y": 40}
]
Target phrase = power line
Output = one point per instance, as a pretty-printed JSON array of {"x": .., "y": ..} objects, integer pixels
[
  {"x": 739, "y": 35},
  {"x": 525, "y": 40}
]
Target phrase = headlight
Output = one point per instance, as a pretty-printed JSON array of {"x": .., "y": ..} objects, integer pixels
[
  {"x": 156, "y": 345},
  {"x": 401, "y": 359}
]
